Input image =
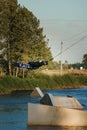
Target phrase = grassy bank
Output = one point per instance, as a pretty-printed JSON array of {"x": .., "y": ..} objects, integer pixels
[{"x": 9, "y": 84}]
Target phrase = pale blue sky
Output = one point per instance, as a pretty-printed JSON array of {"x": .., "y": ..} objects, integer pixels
[{"x": 62, "y": 20}]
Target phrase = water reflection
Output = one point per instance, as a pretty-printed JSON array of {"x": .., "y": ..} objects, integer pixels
[
  {"x": 54, "y": 128},
  {"x": 10, "y": 108}
]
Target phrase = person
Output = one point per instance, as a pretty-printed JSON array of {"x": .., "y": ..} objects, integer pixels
[{"x": 30, "y": 65}]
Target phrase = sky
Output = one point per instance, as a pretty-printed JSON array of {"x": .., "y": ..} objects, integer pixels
[{"x": 63, "y": 21}]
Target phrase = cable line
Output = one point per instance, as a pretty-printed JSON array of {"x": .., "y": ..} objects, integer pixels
[
  {"x": 69, "y": 47},
  {"x": 76, "y": 36}
]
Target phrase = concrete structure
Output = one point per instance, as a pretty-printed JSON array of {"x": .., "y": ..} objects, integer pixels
[
  {"x": 56, "y": 110},
  {"x": 39, "y": 114},
  {"x": 37, "y": 93},
  {"x": 60, "y": 101},
  {"x": 48, "y": 99}
]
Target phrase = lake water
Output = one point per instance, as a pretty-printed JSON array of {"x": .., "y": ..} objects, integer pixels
[{"x": 13, "y": 109}]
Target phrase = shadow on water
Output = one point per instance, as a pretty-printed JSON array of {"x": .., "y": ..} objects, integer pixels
[{"x": 54, "y": 128}]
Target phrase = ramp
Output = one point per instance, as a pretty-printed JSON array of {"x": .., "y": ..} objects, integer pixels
[
  {"x": 68, "y": 102},
  {"x": 61, "y": 101},
  {"x": 37, "y": 93},
  {"x": 48, "y": 99}
]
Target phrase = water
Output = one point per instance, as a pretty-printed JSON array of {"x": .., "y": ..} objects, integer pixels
[{"x": 13, "y": 109}]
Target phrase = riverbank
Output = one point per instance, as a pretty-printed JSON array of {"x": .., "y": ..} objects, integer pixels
[{"x": 45, "y": 82}]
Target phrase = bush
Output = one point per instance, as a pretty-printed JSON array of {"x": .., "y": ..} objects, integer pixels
[{"x": 9, "y": 84}]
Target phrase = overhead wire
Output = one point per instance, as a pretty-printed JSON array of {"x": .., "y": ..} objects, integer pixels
[
  {"x": 82, "y": 38},
  {"x": 74, "y": 37},
  {"x": 77, "y": 42}
]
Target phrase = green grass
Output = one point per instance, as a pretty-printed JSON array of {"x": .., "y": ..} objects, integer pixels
[{"x": 9, "y": 84}]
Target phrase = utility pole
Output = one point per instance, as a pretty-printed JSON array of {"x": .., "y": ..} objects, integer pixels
[{"x": 61, "y": 68}]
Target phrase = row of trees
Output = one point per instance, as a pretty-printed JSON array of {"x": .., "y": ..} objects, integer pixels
[
  {"x": 21, "y": 37},
  {"x": 85, "y": 60},
  {"x": 66, "y": 65},
  {"x": 82, "y": 65}
]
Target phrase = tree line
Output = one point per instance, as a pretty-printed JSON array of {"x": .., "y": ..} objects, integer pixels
[{"x": 21, "y": 37}]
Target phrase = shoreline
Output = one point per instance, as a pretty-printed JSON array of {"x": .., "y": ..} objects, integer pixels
[
  {"x": 28, "y": 92},
  {"x": 9, "y": 84}
]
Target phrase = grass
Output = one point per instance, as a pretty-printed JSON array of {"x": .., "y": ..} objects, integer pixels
[{"x": 9, "y": 84}]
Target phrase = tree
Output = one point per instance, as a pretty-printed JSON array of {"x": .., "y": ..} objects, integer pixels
[
  {"x": 30, "y": 36},
  {"x": 65, "y": 65},
  {"x": 21, "y": 35},
  {"x": 84, "y": 60},
  {"x": 7, "y": 14}
]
